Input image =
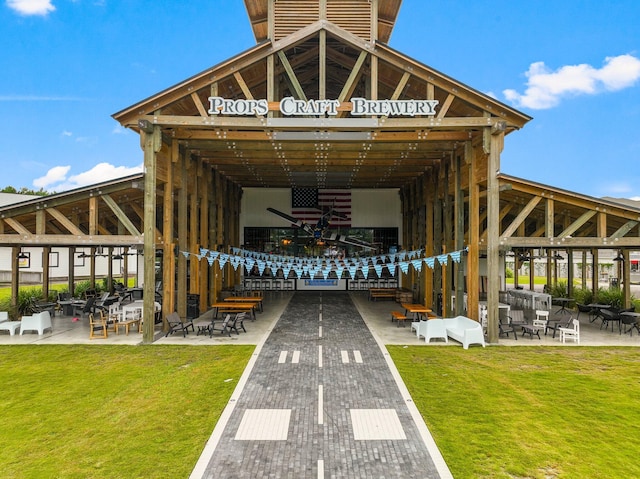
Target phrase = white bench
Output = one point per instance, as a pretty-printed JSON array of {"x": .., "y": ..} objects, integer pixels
[{"x": 464, "y": 330}]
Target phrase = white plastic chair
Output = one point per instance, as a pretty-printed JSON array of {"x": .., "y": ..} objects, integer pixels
[
  {"x": 542, "y": 318},
  {"x": 571, "y": 333},
  {"x": 38, "y": 322}
]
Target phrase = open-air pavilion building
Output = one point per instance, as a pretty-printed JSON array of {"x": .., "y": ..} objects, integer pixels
[{"x": 323, "y": 102}]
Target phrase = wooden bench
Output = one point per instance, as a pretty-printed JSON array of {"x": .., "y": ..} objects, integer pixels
[
  {"x": 388, "y": 293},
  {"x": 399, "y": 317}
]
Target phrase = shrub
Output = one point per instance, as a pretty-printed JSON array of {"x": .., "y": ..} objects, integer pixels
[
  {"x": 613, "y": 296},
  {"x": 508, "y": 273},
  {"x": 27, "y": 298},
  {"x": 559, "y": 290},
  {"x": 81, "y": 287},
  {"x": 583, "y": 296}
]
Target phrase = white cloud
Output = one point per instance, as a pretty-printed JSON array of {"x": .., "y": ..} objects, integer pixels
[
  {"x": 546, "y": 88},
  {"x": 119, "y": 130},
  {"x": 31, "y": 7},
  {"x": 56, "y": 178},
  {"x": 54, "y": 175}
]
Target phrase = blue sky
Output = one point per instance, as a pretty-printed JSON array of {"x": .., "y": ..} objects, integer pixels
[{"x": 574, "y": 66}]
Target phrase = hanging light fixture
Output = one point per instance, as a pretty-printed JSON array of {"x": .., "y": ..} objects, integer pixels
[
  {"x": 620, "y": 257},
  {"x": 23, "y": 255}
]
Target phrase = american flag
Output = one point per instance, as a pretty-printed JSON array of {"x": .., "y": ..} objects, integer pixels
[{"x": 308, "y": 204}]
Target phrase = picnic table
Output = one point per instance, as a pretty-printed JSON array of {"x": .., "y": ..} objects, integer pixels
[
  {"x": 234, "y": 307},
  {"x": 246, "y": 299},
  {"x": 416, "y": 309}
]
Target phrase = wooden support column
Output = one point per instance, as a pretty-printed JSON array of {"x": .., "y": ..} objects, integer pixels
[
  {"x": 204, "y": 237},
  {"x": 570, "y": 273},
  {"x": 183, "y": 245},
  {"x": 152, "y": 145},
  {"x": 626, "y": 278},
  {"x": 195, "y": 171},
  {"x": 72, "y": 270},
  {"x": 493, "y": 141},
  {"x": 549, "y": 233},
  {"x": 458, "y": 237},
  {"x": 428, "y": 250},
  {"x": 213, "y": 234},
  {"x": 437, "y": 239},
  {"x": 583, "y": 270},
  {"x": 15, "y": 277},
  {"x": 168, "y": 218},
  {"x": 448, "y": 242},
  {"x": 596, "y": 271},
  {"x": 46, "y": 254},
  {"x": 473, "y": 256}
]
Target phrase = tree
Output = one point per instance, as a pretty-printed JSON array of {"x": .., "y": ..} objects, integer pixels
[{"x": 25, "y": 191}]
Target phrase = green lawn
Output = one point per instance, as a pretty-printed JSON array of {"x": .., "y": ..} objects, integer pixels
[
  {"x": 529, "y": 412},
  {"x": 103, "y": 411},
  {"x": 111, "y": 411}
]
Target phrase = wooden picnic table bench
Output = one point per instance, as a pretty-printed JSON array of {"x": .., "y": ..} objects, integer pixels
[
  {"x": 246, "y": 299},
  {"x": 388, "y": 293}
]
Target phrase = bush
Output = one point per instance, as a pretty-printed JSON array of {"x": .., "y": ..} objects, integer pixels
[
  {"x": 27, "y": 298},
  {"x": 583, "y": 296},
  {"x": 508, "y": 272},
  {"x": 81, "y": 287},
  {"x": 613, "y": 296},
  {"x": 559, "y": 290}
]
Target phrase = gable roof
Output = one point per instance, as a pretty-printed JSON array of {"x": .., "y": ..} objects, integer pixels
[{"x": 279, "y": 151}]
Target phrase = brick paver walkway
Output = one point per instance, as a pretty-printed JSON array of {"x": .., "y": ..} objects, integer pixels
[{"x": 320, "y": 401}]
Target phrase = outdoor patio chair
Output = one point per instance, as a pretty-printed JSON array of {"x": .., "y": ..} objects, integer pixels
[
  {"x": 610, "y": 316},
  {"x": 629, "y": 322},
  {"x": 36, "y": 322},
  {"x": 222, "y": 326},
  {"x": 516, "y": 318},
  {"x": 584, "y": 308},
  {"x": 97, "y": 326},
  {"x": 505, "y": 328},
  {"x": 542, "y": 318},
  {"x": 176, "y": 324},
  {"x": 238, "y": 322},
  {"x": 6, "y": 325},
  {"x": 571, "y": 333},
  {"x": 554, "y": 324},
  {"x": 85, "y": 308}
]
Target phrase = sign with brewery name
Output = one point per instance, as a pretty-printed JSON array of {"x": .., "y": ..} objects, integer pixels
[{"x": 289, "y": 106}]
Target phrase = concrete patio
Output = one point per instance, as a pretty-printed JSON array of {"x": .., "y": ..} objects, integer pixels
[{"x": 377, "y": 315}]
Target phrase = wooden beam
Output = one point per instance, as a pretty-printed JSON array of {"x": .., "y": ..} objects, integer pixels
[
  {"x": 17, "y": 227},
  {"x": 349, "y": 85},
  {"x": 67, "y": 240},
  {"x": 624, "y": 229},
  {"x": 291, "y": 76},
  {"x": 64, "y": 221},
  {"x": 122, "y": 217},
  {"x": 198, "y": 103},
  {"x": 586, "y": 216},
  {"x": 533, "y": 202}
]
